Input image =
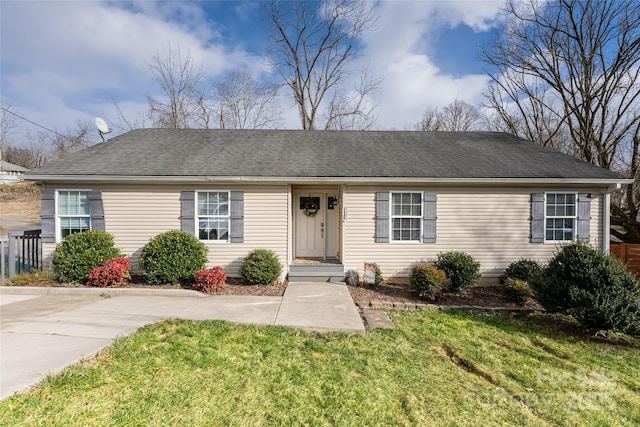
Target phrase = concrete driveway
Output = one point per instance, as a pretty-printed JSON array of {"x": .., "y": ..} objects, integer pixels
[{"x": 44, "y": 330}]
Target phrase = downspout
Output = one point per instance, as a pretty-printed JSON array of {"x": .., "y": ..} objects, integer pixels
[
  {"x": 606, "y": 226},
  {"x": 606, "y": 218}
]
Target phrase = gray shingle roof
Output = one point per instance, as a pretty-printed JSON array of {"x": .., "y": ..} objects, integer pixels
[
  {"x": 10, "y": 167},
  {"x": 309, "y": 154}
]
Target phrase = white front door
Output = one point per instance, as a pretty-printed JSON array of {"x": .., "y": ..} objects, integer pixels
[{"x": 310, "y": 225}]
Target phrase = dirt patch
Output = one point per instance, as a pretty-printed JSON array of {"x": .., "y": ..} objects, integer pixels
[{"x": 19, "y": 211}]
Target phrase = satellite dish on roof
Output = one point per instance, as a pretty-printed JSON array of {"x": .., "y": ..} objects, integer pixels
[{"x": 103, "y": 127}]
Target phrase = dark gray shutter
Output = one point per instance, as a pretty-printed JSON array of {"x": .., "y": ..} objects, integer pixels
[
  {"x": 236, "y": 220},
  {"x": 382, "y": 217},
  {"x": 48, "y": 216},
  {"x": 96, "y": 210},
  {"x": 583, "y": 233},
  {"x": 188, "y": 212},
  {"x": 429, "y": 217},
  {"x": 537, "y": 218}
]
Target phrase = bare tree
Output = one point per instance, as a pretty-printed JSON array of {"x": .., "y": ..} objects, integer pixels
[
  {"x": 458, "y": 116},
  {"x": 355, "y": 109},
  {"x": 571, "y": 68},
  {"x": 73, "y": 139},
  {"x": 430, "y": 121},
  {"x": 126, "y": 123},
  {"x": 312, "y": 46},
  {"x": 242, "y": 102},
  {"x": 8, "y": 125},
  {"x": 180, "y": 83}
]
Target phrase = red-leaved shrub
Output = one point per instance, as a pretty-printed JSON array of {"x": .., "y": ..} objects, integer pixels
[
  {"x": 210, "y": 280},
  {"x": 111, "y": 273}
]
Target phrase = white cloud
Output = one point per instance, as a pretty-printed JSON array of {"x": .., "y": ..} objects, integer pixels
[
  {"x": 60, "y": 57},
  {"x": 398, "y": 52}
]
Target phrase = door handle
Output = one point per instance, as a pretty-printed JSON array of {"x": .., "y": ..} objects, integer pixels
[{"x": 322, "y": 230}]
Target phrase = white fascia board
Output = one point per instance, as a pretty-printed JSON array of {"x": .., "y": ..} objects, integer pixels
[{"x": 613, "y": 183}]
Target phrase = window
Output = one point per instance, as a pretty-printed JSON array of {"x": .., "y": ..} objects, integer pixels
[
  {"x": 406, "y": 216},
  {"x": 73, "y": 212},
  {"x": 213, "y": 215},
  {"x": 560, "y": 217}
]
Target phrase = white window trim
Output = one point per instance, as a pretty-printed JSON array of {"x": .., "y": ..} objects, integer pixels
[
  {"x": 575, "y": 218},
  {"x": 197, "y": 217},
  {"x": 391, "y": 218},
  {"x": 57, "y": 210}
]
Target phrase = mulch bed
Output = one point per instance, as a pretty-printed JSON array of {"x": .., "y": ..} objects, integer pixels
[
  {"x": 234, "y": 286},
  {"x": 389, "y": 294},
  {"x": 397, "y": 294}
]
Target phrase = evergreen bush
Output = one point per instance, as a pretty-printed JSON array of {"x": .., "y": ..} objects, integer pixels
[
  {"x": 172, "y": 257},
  {"x": 517, "y": 290},
  {"x": 427, "y": 280},
  {"x": 461, "y": 269},
  {"x": 596, "y": 289},
  {"x": 79, "y": 253},
  {"x": 261, "y": 267},
  {"x": 523, "y": 269}
]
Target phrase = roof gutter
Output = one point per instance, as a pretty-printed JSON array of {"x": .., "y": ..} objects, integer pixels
[{"x": 612, "y": 184}]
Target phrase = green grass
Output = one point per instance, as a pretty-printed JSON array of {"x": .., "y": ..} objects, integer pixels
[
  {"x": 34, "y": 278},
  {"x": 436, "y": 368}
]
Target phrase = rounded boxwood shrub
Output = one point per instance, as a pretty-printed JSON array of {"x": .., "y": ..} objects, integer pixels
[
  {"x": 517, "y": 290},
  {"x": 79, "y": 253},
  {"x": 427, "y": 280},
  {"x": 173, "y": 257},
  {"x": 261, "y": 267},
  {"x": 523, "y": 269},
  {"x": 461, "y": 269},
  {"x": 595, "y": 288}
]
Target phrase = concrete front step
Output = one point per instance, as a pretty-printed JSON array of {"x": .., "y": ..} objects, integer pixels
[{"x": 316, "y": 273}]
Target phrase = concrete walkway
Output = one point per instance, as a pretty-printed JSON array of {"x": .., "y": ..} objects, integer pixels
[{"x": 44, "y": 330}]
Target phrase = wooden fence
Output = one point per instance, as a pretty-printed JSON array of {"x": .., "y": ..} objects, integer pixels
[{"x": 629, "y": 254}]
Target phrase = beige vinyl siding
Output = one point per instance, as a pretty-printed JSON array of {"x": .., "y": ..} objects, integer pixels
[
  {"x": 491, "y": 224},
  {"x": 136, "y": 213}
]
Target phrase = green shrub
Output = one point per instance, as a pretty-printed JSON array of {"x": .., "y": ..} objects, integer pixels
[
  {"x": 617, "y": 310},
  {"x": 461, "y": 269},
  {"x": 596, "y": 289},
  {"x": 574, "y": 265},
  {"x": 261, "y": 267},
  {"x": 427, "y": 280},
  {"x": 523, "y": 269},
  {"x": 378, "y": 276},
  {"x": 79, "y": 253},
  {"x": 517, "y": 290},
  {"x": 172, "y": 257}
]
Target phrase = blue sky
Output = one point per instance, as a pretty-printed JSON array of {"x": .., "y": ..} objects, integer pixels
[{"x": 61, "y": 61}]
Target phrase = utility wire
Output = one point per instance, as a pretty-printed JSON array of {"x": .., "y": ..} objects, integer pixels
[{"x": 34, "y": 123}]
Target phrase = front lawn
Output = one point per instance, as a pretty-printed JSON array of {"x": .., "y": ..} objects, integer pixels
[{"x": 436, "y": 368}]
